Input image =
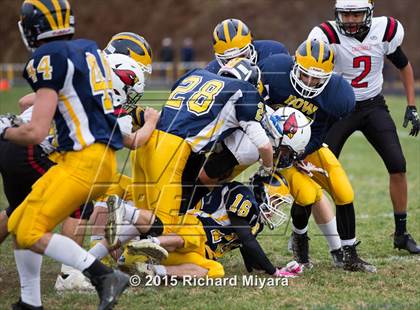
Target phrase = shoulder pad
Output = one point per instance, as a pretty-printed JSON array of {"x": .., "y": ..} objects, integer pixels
[
  {"x": 329, "y": 30},
  {"x": 390, "y": 30}
]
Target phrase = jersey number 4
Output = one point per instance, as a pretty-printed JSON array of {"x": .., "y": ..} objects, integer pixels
[
  {"x": 199, "y": 97},
  {"x": 101, "y": 83},
  {"x": 366, "y": 61}
]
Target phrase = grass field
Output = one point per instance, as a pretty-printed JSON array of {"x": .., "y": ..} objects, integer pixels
[{"x": 395, "y": 286}]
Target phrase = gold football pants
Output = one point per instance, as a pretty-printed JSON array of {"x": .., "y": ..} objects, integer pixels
[{"x": 77, "y": 178}]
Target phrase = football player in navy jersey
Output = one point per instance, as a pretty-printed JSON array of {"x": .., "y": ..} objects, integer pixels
[
  {"x": 308, "y": 84},
  {"x": 202, "y": 109},
  {"x": 361, "y": 43},
  {"x": 232, "y": 39},
  {"x": 229, "y": 217},
  {"x": 71, "y": 79}
]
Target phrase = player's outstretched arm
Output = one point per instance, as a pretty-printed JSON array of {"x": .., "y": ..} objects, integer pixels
[
  {"x": 37, "y": 129},
  {"x": 252, "y": 252}
]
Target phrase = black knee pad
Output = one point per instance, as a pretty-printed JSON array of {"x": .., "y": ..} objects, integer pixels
[
  {"x": 396, "y": 164},
  {"x": 300, "y": 215}
]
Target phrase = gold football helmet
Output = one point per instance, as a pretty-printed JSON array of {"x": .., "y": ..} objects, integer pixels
[
  {"x": 313, "y": 68},
  {"x": 231, "y": 39},
  {"x": 273, "y": 198},
  {"x": 132, "y": 45}
]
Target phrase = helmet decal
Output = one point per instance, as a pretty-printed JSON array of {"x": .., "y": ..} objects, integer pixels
[
  {"x": 276, "y": 121},
  {"x": 290, "y": 126},
  {"x": 127, "y": 76}
]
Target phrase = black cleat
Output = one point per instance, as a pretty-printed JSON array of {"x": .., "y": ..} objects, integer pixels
[
  {"x": 109, "y": 287},
  {"x": 406, "y": 242},
  {"x": 337, "y": 257},
  {"x": 20, "y": 305},
  {"x": 300, "y": 248},
  {"x": 352, "y": 261}
]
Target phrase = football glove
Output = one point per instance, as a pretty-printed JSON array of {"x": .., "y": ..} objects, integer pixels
[
  {"x": 307, "y": 168},
  {"x": 412, "y": 116}
]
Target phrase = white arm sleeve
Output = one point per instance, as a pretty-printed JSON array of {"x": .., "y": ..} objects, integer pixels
[
  {"x": 255, "y": 132},
  {"x": 396, "y": 40},
  {"x": 126, "y": 124}
]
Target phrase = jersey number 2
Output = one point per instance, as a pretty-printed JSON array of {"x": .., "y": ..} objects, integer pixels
[{"x": 367, "y": 65}]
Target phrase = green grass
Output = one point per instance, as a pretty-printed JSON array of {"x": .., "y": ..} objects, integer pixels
[{"x": 395, "y": 286}]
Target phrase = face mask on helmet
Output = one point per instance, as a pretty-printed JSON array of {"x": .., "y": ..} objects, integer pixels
[
  {"x": 134, "y": 46},
  {"x": 127, "y": 81},
  {"x": 354, "y": 18},
  {"x": 284, "y": 157},
  {"x": 232, "y": 39},
  {"x": 242, "y": 69},
  {"x": 273, "y": 198},
  {"x": 313, "y": 68}
]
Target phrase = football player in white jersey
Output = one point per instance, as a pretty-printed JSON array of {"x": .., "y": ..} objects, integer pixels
[{"x": 361, "y": 42}]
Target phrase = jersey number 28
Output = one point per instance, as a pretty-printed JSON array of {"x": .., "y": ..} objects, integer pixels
[{"x": 198, "y": 96}]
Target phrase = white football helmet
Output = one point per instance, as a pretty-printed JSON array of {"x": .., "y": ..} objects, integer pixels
[
  {"x": 289, "y": 131},
  {"x": 348, "y": 6},
  {"x": 127, "y": 81}
]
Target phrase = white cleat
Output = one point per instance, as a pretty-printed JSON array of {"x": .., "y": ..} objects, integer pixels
[
  {"x": 147, "y": 248},
  {"x": 113, "y": 226},
  {"x": 73, "y": 280}
]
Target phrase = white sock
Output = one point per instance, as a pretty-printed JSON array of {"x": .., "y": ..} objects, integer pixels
[
  {"x": 68, "y": 252},
  {"x": 331, "y": 234},
  {"x": 348, "y": 242},
  {"x": 127, "y": 233},
  {"x": 160, "y": 270},
  {"x": 299, "y": 231},
  {"x": 28, "y": 264},
  {"x": 131, "y": 213},
  {"x": 99, "y": 251}
]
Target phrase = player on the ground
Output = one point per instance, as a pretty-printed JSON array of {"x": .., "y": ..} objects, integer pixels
[
  {"x": 73, "y": 90},
  {"x": 361, "y": 42},
  {"x": 229, "y": 217},
  {"x": 233, "y": 39}
]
